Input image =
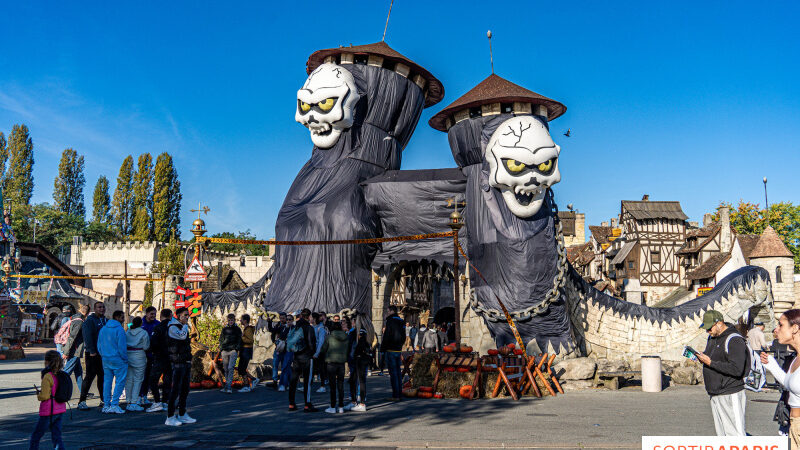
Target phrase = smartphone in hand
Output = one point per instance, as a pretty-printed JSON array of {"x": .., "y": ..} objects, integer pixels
[{"x": 689, "y": 352}]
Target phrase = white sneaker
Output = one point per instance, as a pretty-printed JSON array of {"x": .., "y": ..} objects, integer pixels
[
  {"x": 281, "y": 388},
  {"x": 173, "y": 421},
  {"x": 186, "y": 419},
  {"x": 330, "y": 410},
  {"x": 116, "y": 409},
  {"x": 339, "y": 410},
  {"x": 245, "y": 389},
  {"x": 83, "y": 406},
  {"x": 321, "y": 389},
  {"x": 360, "y": 408},
  {"x": 156, "y": 407},
  {"x": 134, "y": 407}
]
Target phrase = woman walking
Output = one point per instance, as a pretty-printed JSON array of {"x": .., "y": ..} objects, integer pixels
[
  {"x": 788, "y": 333},
  {"x": 138, "y": 341},
  {"x": 50, "y": 410}
]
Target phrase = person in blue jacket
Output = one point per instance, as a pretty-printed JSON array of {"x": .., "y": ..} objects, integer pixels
[{"x": 113, "y": 347}]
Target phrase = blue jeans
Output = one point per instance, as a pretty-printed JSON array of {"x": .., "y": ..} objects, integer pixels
[
  {"x": 117, "y": 372},
  {"x": 395, "y": 372},
  {"x": 73, "y": 365},
  {"x": 48, "y": 422},
  {"x": 284, "y": 362}
]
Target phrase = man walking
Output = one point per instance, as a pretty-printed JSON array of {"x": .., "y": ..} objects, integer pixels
[
  {"x": 755, "y": 337},
  {"x": 725, "y": 361},
  {"x": 230, "y": 339},
  {"x": 319, "y": 333},
  {"x": 302, "y": 343},
  {"x": 94, "y": 362},
  {"x": 394, "y": 336},
  {"x": 279, "y": 332},
  {"x": 149, "y": 325},
  {"x": 113, "y": 347},
  {"x": 246, "y": 353},
  {"x": 180, "y": 356},
  {"x": 73, "y": 347},
  {"x": 161, "y": 364}
]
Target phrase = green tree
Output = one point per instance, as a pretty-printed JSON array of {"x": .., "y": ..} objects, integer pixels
[
  {"x": 142, "y": 198},
  {"x": 54, "y": 230},
  {"x": 18, "y": 181},
  {"x": 784, "y": 217},
  {"x": 170, "y": 259},
  {"x": 3, "y": 155},
  {"x": 166, "y": 198},
  {"x": 101, "y": 201},
  {"x": 122, "y": 206},
  {"x": 250, "y": 249},
  {"x": 69, "y": 183}
]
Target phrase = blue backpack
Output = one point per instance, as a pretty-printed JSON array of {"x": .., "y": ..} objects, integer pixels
[{"x": 296, "y": 342}]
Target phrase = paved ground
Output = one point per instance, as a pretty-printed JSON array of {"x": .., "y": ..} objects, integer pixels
[{"x": 584, "y": 419}]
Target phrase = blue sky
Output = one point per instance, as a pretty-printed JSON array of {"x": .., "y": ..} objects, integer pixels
[{"x": 688, "y": 101}]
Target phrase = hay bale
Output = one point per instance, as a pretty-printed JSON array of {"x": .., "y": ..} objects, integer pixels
[
  {"x": 451, "y": 382},
  {"x": 423, "y": 369}
]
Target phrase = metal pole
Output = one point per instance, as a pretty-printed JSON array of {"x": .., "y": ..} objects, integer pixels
[
  {"x": 766, "y": 200},
  {"x": 456, "y": 296},
  {"x": 126, "y": 299}
]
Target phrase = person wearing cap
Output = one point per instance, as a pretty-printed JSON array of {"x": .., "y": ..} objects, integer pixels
[
  {"x": 755, "y": 337},
  {"x": 788, "y": 333},
  {"x": 725, "y": 361}
]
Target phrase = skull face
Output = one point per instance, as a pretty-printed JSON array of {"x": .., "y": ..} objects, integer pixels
[
  {"x": 325, "y": 104},
  {"x": 523, "y": 163}
]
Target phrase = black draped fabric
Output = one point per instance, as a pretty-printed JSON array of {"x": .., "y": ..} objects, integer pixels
[
  {"x": 326, "y": 200},
  {"x": 517, "y": 257}
]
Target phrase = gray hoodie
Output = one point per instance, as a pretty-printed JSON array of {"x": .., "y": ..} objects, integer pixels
[{"x": 137, "y": 338}]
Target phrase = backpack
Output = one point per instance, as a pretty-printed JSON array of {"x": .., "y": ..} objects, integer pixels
[
  {"x": 63, "y": 387},
  {"x": 756, "y": 376},
  {"x": 63, "y": 333},
  {"x": 296, "y": 342}
]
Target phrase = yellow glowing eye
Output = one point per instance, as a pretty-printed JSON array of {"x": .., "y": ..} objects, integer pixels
[
  {"x": 515, "y": 166},
  {"x": 305, "y": 107},
  {"x": 327, "y": 104},
  {"x": 546, "y": 166}
]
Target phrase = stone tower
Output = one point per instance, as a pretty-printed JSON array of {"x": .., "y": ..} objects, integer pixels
[{"x": 773, "y": 255}]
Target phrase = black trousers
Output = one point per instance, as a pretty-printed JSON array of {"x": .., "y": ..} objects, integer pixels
[
  {"x": 300, "y": 366},
  {"x": 358, "y": 379},
  {"x": 245, "y": 355},
  {"x": 179, "y": 390},
  {"x": 161, "y": 367},
  {"x": 336, "y": 382},
  {"x": 94, "y": 368},
  {"x": 145, "y": 388}
]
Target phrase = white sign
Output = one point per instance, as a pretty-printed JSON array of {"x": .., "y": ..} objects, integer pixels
[
  {"x": 28, "y": 326},
  {"x": 715, "y": 443},
  {"x": 195, "y": 272}
]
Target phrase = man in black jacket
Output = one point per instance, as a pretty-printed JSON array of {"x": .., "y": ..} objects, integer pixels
[
  {"x": 394, "y": 336},
  {"x": 180, "y": 357},
  {"x": 94, "y": 363},
  {"x": 161, "y": 365},
  {"x": 279, "y": 332},
  {"x": 303, "y": 346},
  {"x": 230, "y": 339},
  {"x": 726, "y": 360}
]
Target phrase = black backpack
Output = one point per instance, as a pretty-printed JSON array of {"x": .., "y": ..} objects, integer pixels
[{"x": 64, "y": 387}]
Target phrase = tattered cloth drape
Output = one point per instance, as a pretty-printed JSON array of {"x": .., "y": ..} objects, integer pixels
[{"x": 326, "y": 201}]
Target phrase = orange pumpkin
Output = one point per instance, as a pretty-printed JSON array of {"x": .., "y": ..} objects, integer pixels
[
  {"x": 449, "y": 349},
  {"x": 237, "y": 384},
  {"x": 519, "y": 351},
  {"x": 410, "y": 392},
  {"x": 493, "y": 352},
  {"x": 207, "y": 384},
  {"x": 219, "y": 384},
  {"x": 463, "y": 369},
  {"x": 511, "y": 346},
  {"x": 426, "y": 389},
  {"x": 466, "y": 349},
  {"x": 465, "y": 391},
  {"x": 2, "y": 356},
  {"x": 424, "y": 394},
  {"x": 504, "y": 350},
  {"x": 438, "y": 395},
  {"x": 194, "y": 385}
]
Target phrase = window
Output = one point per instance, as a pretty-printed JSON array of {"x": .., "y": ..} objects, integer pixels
[
  {"x": 778, "y": 277},
  {"x": 630, "y": 264},
  {"x": 655, "y": 257}
]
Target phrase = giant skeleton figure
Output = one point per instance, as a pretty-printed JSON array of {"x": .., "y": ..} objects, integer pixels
[
  {"x": 499, "y": 136},
  {"x": 361, "y": 105}
]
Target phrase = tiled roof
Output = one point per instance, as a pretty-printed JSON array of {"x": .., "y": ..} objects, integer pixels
[
  {"x": 600, "y": 233},
  {"x": 747, "y": 242},
  {"x": 770, "y": 245},
  {"x": 580, "y": 255},
  {"x": 710, "y": 267},
  {"x": 646, "y": 209},
  {"x": 495, "y": 89},
  {"x": 704, "y": 236}
]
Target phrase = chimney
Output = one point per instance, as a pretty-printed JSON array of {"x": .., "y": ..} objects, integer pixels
[
  {"x": 725, "y": 238},
  {"x": 603, "y": 224},
  {"x": 613, "y": 222},
  {"x": 707, "y": 219},
  {"x": 646, "y": 197}
]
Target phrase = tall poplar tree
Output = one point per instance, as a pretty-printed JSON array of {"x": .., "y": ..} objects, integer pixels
[
  {"x": 166, "y": 198},
  {"x": 18, "y": 181},
  {"x": 101, "y": 201},
  {"x": 69, "y": 183},
  {"x": 122, "y": 206},
  {"x": 3, "y": 156},
  {"x": 142, "y": 198}
]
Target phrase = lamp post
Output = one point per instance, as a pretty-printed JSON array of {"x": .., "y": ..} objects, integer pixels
[
  {"x": 766, "y": 200},
  {"x": 456, "y": 222}
]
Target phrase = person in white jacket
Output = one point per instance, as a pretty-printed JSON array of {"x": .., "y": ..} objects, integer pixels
[
  {"x": 138, "y": 342},
  {"x": 788, "y": 333}
]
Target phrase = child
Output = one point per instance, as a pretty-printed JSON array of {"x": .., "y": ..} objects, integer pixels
[{"x": 50, "y": 411}]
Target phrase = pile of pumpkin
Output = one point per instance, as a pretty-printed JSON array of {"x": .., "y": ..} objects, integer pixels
[
  {"x": 420, "y": 392},
  {"x": 506, "y": 350},
  {"x": 452, "y": 348}
]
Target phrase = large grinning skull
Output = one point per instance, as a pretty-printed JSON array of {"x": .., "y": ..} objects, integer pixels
[
  {"x": 523, "y": 162},
  {"x": 325, "y": 104}
]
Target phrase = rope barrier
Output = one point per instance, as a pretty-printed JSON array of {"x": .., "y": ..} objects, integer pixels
[
  {"x": 416, "y": 237},
  {"x": 64, "y": 277}
]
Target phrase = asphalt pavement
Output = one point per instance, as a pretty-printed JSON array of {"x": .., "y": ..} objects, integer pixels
[{"x": 595, "y": 418}]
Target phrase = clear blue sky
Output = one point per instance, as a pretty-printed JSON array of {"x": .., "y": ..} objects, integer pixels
[{"x": 688, "y": 101}]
